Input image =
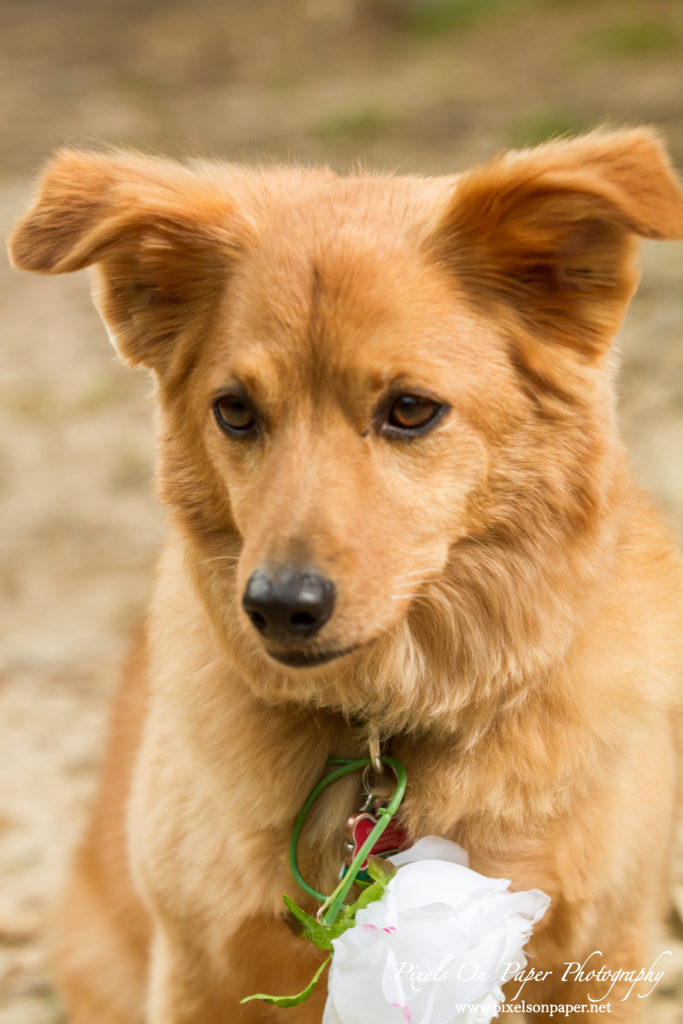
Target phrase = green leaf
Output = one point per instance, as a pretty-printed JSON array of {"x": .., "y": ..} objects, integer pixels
[
  {"x": 381, "y": 870},
  {"x": 313, "y": 930},
  {"x": 319, "y": 934},
  {"x": 284, "y": 1001},
  {"x": 295, "y": 909},
  {"x": 370, "y": 895},
  {"x": 346, "y": 920}
]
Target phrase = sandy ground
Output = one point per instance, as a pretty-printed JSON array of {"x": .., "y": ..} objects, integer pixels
[{"x": 427, "y": 86}]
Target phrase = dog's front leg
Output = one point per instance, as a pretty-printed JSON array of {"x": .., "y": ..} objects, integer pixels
[
  {"x": 183, "y": 873},
  {"x": 213, "y": 891},
  {"x": 179, "y": 991},
  {"x": 183, "y": 990}
]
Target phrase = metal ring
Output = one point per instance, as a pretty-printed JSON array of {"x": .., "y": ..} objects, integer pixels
[{"x": 367, "y": 787}]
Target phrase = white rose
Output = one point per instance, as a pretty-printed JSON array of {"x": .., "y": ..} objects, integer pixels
[{"x": 436, "y": 948}]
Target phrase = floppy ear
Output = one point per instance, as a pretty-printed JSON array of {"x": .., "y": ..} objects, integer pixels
[
  {"x": 551, "y": 231},
  {"x": 162, "y": 235}
]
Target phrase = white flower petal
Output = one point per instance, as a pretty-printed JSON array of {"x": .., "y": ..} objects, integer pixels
[
  {"x": 356, "y": 979},
  {"x": 330, "y": 1015},
  {"x": 381, "y": 913},
  {"x": 424, "y": 1005},
  {"x": 437, "y": 882},
  {"x": 392, "y": 989},
  {"x": 431, "y": 848}
]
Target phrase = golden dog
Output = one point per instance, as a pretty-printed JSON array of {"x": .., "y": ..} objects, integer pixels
[{"x": 398, "y": 501}]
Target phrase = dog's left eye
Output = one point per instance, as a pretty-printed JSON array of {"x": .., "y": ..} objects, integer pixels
[
  {"x": 235, "y": 416},
  {"x": 411, "y": 415}
]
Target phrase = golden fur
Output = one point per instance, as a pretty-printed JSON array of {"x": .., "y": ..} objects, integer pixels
[{"x": 513, "y": 602}]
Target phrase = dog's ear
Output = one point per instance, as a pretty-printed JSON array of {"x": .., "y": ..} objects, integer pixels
[
  {"x": 551, "y": 231},
  {"x": 163, "y": 237}
]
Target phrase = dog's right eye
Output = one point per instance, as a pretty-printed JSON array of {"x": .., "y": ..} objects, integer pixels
[{"x": 235, "y": 416}]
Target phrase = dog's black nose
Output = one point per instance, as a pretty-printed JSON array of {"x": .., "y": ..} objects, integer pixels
[{"x": 288, "y": 605}]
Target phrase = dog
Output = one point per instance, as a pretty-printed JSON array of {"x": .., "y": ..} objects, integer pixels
[{"x": 398, "y": 505}]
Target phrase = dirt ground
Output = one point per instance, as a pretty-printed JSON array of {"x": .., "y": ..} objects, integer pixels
[{"x": 415, "y": 84}]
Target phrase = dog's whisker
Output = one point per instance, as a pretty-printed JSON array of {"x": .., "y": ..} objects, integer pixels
[
  {"x": 419, "y": 572},
  {"x": 404, "y": 586},
  {"x": 407, "y": 586}
]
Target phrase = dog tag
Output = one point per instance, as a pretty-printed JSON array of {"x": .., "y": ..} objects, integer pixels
[
  {"x": 358, "y": 828},
  {"x": 378, "y": 792}
]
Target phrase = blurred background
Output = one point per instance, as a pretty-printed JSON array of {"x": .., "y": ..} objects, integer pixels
[{"x": 413, "y": 85}]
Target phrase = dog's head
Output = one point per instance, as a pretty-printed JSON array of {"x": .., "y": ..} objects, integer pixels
[{"x": 387, "y": 423}]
